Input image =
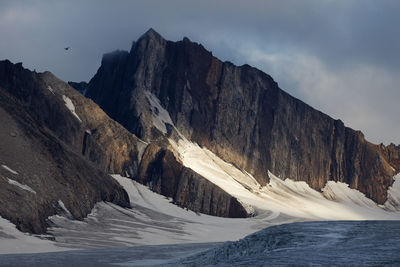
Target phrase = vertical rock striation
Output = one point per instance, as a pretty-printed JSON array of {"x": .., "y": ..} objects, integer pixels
[{"x": 240, "y": 114}]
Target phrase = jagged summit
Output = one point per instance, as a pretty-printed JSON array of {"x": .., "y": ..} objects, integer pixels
[{"x": 151, "y": 34}]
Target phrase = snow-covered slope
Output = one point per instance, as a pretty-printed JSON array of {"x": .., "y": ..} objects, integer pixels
[
  {"x": 153, "y": 220},
  {"x": 336, "y": 201},
  {"x": 393, "y": 201},
  {"x": 294, "y": 198}
]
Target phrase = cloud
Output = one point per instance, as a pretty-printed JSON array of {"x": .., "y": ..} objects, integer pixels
[{"x": 337, "y": 56}]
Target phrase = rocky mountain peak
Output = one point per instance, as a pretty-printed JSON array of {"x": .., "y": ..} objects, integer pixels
[
  {"x": 238, "y": 113},
  {"x": 151, "y": 34},
  {"x": 149, "y": 40}
]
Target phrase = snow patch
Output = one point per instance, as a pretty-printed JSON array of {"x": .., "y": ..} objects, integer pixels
[
  {"x": 65, "y": 210},
  {"x": 341, "y": 192},
  {"x": 9, "y": 169},
  {"x": 22, "y": 186},
  {"x": 70, "y": 106},
  {"x": 159, "y": 115},
  {"x": 393, "y": 198},
  {"x": 50, "y": 89}
]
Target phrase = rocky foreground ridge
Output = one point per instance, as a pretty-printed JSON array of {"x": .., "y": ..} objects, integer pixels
[
  {"x": 240, "y": 114},
  {"x": 58, "y": 147}
]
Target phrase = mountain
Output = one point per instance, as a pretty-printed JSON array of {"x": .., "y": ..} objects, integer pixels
[
  {"x": 211, "y": 136},
  {"x": 58, "y": 147},
  {"x": 162, "y": 90}
]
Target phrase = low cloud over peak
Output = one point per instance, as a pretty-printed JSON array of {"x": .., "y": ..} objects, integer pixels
[{"x": 338, "y": 56}]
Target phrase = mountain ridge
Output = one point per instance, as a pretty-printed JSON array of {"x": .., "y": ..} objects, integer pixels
[
  {"x": 240, "y": 114},
  {"x": 64, "y": 147}
]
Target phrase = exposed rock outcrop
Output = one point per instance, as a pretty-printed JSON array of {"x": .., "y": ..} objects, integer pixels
[
  {"x": 167, "y": 176},
  {"x": 391, "y": 154},
  {"x": 239, "y": 113}
]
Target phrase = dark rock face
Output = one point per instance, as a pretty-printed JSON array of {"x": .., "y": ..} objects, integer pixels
[
  {"x": 239, "y": 113},
  {"x": 167, "y": 176},
  {"x": 81, "y": 87},
  {"x": 391, "y": 153}
]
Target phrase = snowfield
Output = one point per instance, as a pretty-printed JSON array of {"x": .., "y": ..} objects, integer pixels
[{"x": 153, "y": 220}]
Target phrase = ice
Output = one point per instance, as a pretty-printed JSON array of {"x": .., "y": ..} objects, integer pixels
[
  {"x": 70, "y": 106},
  {"x": 367, "y": 243},
  {"x": 337, "y": 243},
  {"x": 9, "y": 169},
  {"x": 22, "y": 186}
]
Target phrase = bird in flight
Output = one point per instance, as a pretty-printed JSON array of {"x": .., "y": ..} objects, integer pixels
[{"x": 67, "y": 48}]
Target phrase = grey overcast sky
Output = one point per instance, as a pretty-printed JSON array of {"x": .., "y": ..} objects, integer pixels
[{"x": 340, "y": 56}]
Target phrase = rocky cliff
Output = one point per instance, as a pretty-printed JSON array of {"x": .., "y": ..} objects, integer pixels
[
  {"x": 239, "y": 113},
  {"x": 167, "y": 176}
]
